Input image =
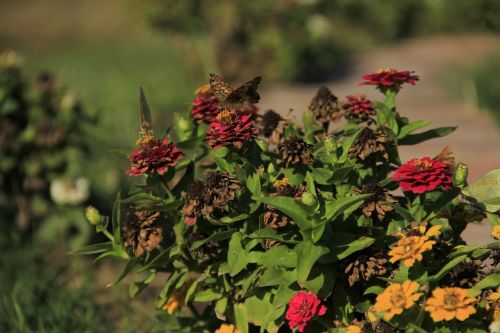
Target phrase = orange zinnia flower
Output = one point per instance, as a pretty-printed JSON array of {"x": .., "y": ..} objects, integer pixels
[
  {"x": 227, "y": 328},
  {"x": 396, "y": 298},
  {"x": 410, "y": 248},
  {"x": 450, "y": 303},
  {"x": 353, "y": 329},
  {"x": 495, "y": 233}
]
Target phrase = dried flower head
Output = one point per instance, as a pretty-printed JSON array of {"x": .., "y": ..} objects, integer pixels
[
  {"x": 142, "y": 231},
  {"x": 375, "y": 203},
  {"x": 396, "y": 298},
  {"x": 295, "y": 151},
  {"x": 231, "y": 129},
  {"x": 410, "y": 248},
  {"x": 450, "y": 303},
  {"x": 363, "y": 267},
  {"x": 302, "y": 308},
  {"x": 153, "y": 157},
  {"x": 269, "y": 122},
  {"x": 421, "y": 175},
  {"x": 470, "y": 271},
  {"x": 369, "y": 143},
  {"x": 390, "y": 78},
  {"x": 359, "y": 109},
  {"x": 204, "y": 107},
  {"x": 325, "y": 107}
]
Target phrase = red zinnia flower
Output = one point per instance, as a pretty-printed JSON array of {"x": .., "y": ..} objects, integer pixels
[
  {"x": 302, "y": 308},
  {"x": 231, "y": 128},
  {"x": 390, "y": 77},
  {"x": 204, "y": 108},
  {"x": 153, "y": 157},
  {"x": 359, "y": 108},
  {"x": 424, "y": 174}
]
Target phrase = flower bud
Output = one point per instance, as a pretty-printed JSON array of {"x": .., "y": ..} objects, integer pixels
[
  {"x": 93, "y": 215},
  {"x": 309, "y": 199},
  {"x": 271, "y": 169},
  {"x": 184, "y": 124},
  {"x": 460, "y": 174},
  {"x": 330, "y": 145}
]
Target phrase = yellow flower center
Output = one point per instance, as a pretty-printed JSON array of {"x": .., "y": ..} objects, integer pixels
[
  {"x": 203, "y": 90},
  {"x": 144, "y": 139},
  {"x": 398, "y": 299},
  {"x": 280, "y": 183},
  {"x": 420, "y": 164},
  {"x": 388, "y": 69},
  {"x": 451, "y": 301},
  {"x": 226, "y": 117}
]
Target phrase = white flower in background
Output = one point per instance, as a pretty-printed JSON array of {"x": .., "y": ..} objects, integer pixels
[
  {"x": 69, "y": 191},
  {"x": 318, "y": 26},
  {"x": 10, "y": 59}
]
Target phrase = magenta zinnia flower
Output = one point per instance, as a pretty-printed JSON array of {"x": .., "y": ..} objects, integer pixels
[
  {"x": 302, "y": 308},
  {"x": 154, "y": 157},
  {"x": 358, "y": 108},
  {"x": 204, "y": 107},
  {"x": 231, "y": 128},
  {"x": 421, "y": 175},
  {"x": 390, "y": 78}
]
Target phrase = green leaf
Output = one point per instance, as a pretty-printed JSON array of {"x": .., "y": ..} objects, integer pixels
[
  {"x": 491, "y": 281},
  {"x": 343, "y": 244},
  {"x": 116, "y": 220},
  {"x": 336, "y": 207},
  {"x": 373, "y": 290},
  {"x": 307, "y": 255},
  {"x": 279, "y": 256},
  {"x": 215, "y": 237},
  {"x": 401, "y": 211},
  {"x": 257, "y": 309},
  {"x": 253, "y": 184},
  {"x": 232, "y": 219},
  {"x": 237, "y": 257},
  {"x": 93, "y": 248},
  {"x": 241, "y": 317},
  {"x": 347, "y": 144},
  {"x": 486, "y": 189},
  {"x": 446, "y": 268},
  {"x": 207, "y": 295},
  {"x": 128, "y": 267},
  {"x": 268, "y": 233},
  {"x": 413, "y": 139},
  {"x": 407, "y": 129},
  {"x": 321, "y": 280},
  {"x": 158, "y": 261},
  {"x": 291, "y": 208}
]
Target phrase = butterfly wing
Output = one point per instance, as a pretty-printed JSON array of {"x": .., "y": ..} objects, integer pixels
[
  {"x": 446, "y": 156},
  {"x": 220, "y": 88},
  {"x": 246, "y": 93},
  {"x": 146, "y": 122}
]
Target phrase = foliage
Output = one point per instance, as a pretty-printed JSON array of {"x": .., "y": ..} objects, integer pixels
[
  {"x": 41, "y": 151},
  {"x": 307, "y": 40},
  {"x": 308, "y": 217},
  {"x": 486, "y": 78}
]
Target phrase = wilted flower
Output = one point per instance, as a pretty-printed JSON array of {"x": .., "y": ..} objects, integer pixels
[
  {"x": 153, "y": 157},
  {"x": 268, "y": 122},
  {"x": 421, "y": 175},
  {"x": 470, "y": 271},
  {"x": 450, "y": 303},
  {"x": 302, "y": 308},
  {"x": 231, "y": 129},
  {"x": 359, "y": 109},
  {"x": 325, "y": 107},
  {"x": 362, "y": 267},
  {"x": 45, "y": 82},
  {"x": 227, "y": 328},
  {"x": 70, "y": 191},
  {"x": 375, "y": 203},
  {"x": 410, "y": 248},
  {"x": 390, "y": 78},
  {"x": 396, "y": 298},
  {"x": 369, "y": 143},
  {"x": 205, "y": 105},
  {"x": 142, "y": 231},
  {"x": 295, "y": 151}
]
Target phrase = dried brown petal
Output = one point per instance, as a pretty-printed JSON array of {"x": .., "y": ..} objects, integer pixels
[
  {"x": 374, "y": 204},
  {"x": 369, "y": 143},
  {"x": 142, "y": 231},
  {"x": 325, "y": 106},
  {"x": 295, "y": 151}
]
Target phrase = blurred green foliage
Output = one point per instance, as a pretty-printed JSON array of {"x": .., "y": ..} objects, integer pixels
[
  {"x": 487, "y": 80},
  {"x": 307, "y": 40}
]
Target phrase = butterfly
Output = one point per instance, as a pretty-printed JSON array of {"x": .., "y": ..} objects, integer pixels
[
  {"x": 241, "y": 99},
  {"x": 146, "y": 127},
  {"x": 446, "y": 156}
]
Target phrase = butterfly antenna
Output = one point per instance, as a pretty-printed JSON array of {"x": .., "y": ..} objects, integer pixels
[{"x": 146, "y": 127}]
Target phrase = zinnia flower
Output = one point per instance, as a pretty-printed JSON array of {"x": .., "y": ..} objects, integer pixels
[
  {"x": 421, "y": 175},
  {"x": 375, "y": 203},
  {"x": 302, "y": 308},
  {"x": 227, "y": 328},
  {"x": 396, "y": 298},
  {"x": 295, "y": 151},
  {"x": 153, "y": 157},
  {"x": 495, "y": 233},
  {"x": 142, "y": 231},
  {"x": 205, "y": 105},
  {"x": 231, "y": 128},
  {"x": 359, "y": 109},
  {"x": 410, "y": 249},
  {"x": 450, "y": 303},
  {"x": 390, "y": 78},
  {"x": 325, "y": 107}
]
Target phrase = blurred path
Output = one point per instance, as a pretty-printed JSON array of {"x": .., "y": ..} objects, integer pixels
[{"x": 476, "y": 142}]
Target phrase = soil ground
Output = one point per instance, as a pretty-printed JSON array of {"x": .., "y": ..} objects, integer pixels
[{"x": 476, "y": 141}]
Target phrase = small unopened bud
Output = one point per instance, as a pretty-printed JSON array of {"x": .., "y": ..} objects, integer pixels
[
  {"x": 271, "y": 169},
  {"x": 460, "y": 174},
  {"x": 184, "y": 124},
  {"x": 330, "y": 145},
  {"x": 93, "y": 215},
  {"x": 309, "y": 199}
]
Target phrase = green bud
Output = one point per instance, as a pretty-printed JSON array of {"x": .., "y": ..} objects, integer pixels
[
  {"x": 330, "y": 145},
  {"x": 93, "y": 215},
  {"x": 460, "y": 174},
  {"x": 271, "y": 169},
  {"x": 309, "y": 199},
  {"x": 184, "y": 124}
]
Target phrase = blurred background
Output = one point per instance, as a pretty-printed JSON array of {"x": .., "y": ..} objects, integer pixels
[{"x": 69, "y": 104}]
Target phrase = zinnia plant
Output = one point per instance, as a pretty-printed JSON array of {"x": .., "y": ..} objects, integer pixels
[{"x": 256, "y": 223}]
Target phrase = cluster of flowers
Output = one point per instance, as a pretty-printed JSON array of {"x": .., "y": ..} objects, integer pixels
[{"x": 228, "y": 119}]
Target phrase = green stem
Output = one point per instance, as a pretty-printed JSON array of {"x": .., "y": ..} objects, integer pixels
[{"x": 107, "y": 234}]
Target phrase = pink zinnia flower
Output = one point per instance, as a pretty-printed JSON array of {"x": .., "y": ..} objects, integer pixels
[
  {"x": 205, "y": 105},
  {"x": 359, "y": 108},
  {"x": 302, "y": 308},
  {"x": 231, "y": 128},
  {"x": 421, "y": 175},
  {"x": 153, "y": 157},
  {"x": 386, "y": 78}
]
